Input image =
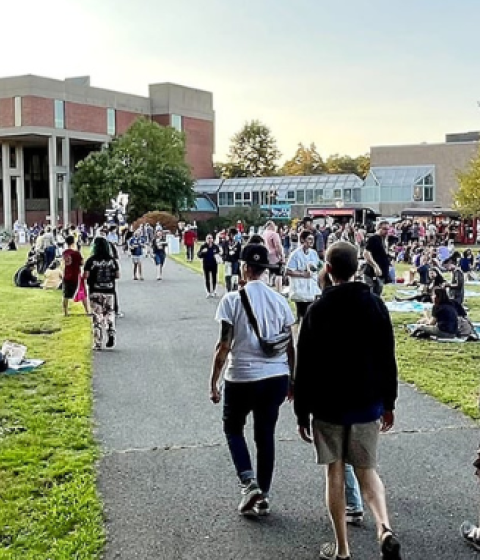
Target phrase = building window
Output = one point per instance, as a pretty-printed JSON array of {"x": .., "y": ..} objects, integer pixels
[
  {"x": 301, "y": 197},
  {"x": 247, "y": 196},
  {"x": 18, "y": 111},
  {"x": 230, "y": 199},
  {"x": 318, "y": 196},
  {"x": 176, "y": 122},
  {"x": 347, "y": 195},
  {"x": 222, "y": 199},
  {"x": 13, "y": 157},
  {"x": 59, "y": 114},
  {"x": 309, "y": 196},
  {"x": 337, "y": 193},
  {"x": 238, "y": 196},
  {"x": 111, "y": 122},
  {"x": 291, "y": 195},
  {"x": 256, "y": 198},
  {"x": 424, "y": 190},
  {"x": 428, "y": 194}
]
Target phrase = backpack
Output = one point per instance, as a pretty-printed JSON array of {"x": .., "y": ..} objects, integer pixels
[{"x": 466, "y": 329}]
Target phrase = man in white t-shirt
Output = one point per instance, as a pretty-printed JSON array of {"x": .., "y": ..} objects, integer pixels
[
  {"x": 302, "y": 269},
  {"x": 254, "y": 382}
]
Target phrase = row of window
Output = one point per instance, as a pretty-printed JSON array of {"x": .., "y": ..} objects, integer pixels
[
  {"x": 420, "y": 193},
  {"x": 176, "y": 121}
]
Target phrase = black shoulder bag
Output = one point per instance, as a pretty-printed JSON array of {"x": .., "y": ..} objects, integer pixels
[{"x": 271, "y": 347}]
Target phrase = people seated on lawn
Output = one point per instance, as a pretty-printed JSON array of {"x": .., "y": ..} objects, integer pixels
[
  {"x": 53, "y": 277},
  {"x": 11, "y": 245},
  {"x": 24, "y": 277},
  {"x": 435, "y": 280},
  {"x": 443, "y": 322},
  {"x": 421, "y": 269}
]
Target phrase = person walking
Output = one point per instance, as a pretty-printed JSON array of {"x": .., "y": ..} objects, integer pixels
[
  {"x": 101, "y": 273},
  {"x": 231, "y": 255},
  {"x": 255, "y": 382},
  {"x": 342, "y": 407},
  {"x": 302, "y": 269},
  {"x": 189, "y": 238},
  {"x": 377, "y": 271},
  {"x": 72, "y": 265},
  {"x": 136, "y": 245},
  {"x": 209, "y": 252},
  {"x": 159, "y": 246},
  {"x": 48, "y": 246},
  {"x": 276, "y": 255}
]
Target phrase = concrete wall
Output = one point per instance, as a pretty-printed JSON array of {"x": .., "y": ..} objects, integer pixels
[{"x": 448, "y": 159}]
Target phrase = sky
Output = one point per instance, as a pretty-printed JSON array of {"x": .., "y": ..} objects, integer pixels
[{"x": 344, "y": 74}]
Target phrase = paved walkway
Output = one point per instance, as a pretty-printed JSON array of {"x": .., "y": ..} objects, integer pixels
[{"x": 168, "y": 485}]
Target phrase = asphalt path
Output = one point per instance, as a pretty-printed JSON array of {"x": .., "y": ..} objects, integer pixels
[{"x": 166, "y": 478}]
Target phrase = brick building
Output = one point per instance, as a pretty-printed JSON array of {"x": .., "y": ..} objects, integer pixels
[{"x": 47, "y": 126}]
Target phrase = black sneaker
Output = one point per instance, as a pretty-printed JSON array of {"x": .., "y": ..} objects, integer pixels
[
  {"x": 251, "y": 493},
  {"x": 389, "y": 545},
  {"x": 262, "y": 507},
  {"x": 471, "y": 534},
  {"x": 110, "y": 341},
  {"x": 328, "y": 551}
]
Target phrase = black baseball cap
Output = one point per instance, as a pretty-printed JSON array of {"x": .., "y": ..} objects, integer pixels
[{"x": 255, "y": 255}]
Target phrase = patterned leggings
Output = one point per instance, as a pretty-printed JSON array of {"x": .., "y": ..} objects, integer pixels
[{"x": 103, "y": 315}]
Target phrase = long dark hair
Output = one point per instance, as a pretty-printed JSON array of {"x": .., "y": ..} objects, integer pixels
[
  {"x": 101, "y": 248},
  {"x": 441, "y": 296}
]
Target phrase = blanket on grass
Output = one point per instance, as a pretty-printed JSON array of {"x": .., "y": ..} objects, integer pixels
[{"x": 411, "y": 328}]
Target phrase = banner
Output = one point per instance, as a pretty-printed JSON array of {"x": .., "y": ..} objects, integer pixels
[{"x": 278, "y": 211}]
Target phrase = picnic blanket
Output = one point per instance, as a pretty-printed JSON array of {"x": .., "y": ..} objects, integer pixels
[
  {"x": 470, "y": 293},
  {"x": 407, "y": 306},
  {"x": 411, "y": 328},
  {"x": 473, "y": 282},
  {"x": 24, "y": 367}
]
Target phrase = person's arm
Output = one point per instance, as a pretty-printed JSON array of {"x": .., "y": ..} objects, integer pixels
[
  {"x": 222, "y": 349},
  {"x": 202, "y": 249},
  {"x": 387, "y": 366},
  {"x": 367, "y": 255}
]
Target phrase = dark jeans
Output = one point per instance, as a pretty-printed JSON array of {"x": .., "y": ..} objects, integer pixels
[
  {"x": 49, "y": 256},
  {"x": 190, "y": 252},
  {"x": 210, "y": 272},
  {"x": 262, "y": 398}
]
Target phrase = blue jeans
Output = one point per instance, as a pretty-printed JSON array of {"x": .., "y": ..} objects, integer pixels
[
  {"x": 50, "y": 253},
  {"x": 263, "y": 398},
  {"x": 353, "y": 495}
]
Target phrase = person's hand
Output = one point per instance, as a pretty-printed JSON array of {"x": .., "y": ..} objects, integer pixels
[
  {"x": 307, "y": 274},
  {"x": 388, "y": 419},
  {"x": 378, "y": 270},
  {"x": 215, "y": 395},
  {"x": 290, "y": 392},
  {"x": 305, "y": 432}
]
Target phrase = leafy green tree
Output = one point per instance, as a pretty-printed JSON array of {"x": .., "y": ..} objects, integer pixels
[
  {"x": 363, "y": 165},
  {"x": 147, "y": 162},
  {"x": 306, "y": 161},
  {"x": 253, "y": 152},
  {"x": 337, "y": 164},
  {"x": 467, "y": 197}
]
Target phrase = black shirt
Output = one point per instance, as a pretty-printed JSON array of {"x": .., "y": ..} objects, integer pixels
[
  {"x": 376, "y": 247},
  {"x": 101, "y": 275},
  {"x": 26, "y": 278},
  {"x": 447, "y": 317}
]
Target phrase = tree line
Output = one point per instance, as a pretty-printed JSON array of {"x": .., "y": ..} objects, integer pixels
[{"x": 254, "y": 153}]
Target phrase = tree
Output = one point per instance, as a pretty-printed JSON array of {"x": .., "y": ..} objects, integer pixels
[
  {"x": 467, "y": 197},
  {"x": 147, "y": 162},
  {"x": 337, "y": 164},
  {"x": 306, "y": 161},
  {"x": 253, "y": 152},
  {"x": 363, "y": 165}
]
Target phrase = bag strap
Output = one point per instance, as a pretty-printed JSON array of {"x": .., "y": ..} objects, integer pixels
[{"x": 249, "y": 311}]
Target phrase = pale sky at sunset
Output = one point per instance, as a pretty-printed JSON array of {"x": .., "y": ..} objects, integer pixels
[{"x": 345, "y": 74}]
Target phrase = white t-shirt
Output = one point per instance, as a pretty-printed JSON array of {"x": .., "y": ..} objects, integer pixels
[
  {"x": 246, "y": 361},
  {"x": 300, "y": 261}
]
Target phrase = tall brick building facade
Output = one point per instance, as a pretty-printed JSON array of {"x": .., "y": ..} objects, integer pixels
[{"x": 47, "y": 126}]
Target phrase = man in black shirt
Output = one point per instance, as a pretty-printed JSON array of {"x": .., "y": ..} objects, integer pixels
[
  {"x": 456, "y": 288},
  {"x": 376, "y": 255},
  {"x": 343, "y": 402},
  {"x": 25, "y": 278}
]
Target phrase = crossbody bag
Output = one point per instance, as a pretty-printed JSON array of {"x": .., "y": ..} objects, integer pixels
[{"x": 271, "y": 347}]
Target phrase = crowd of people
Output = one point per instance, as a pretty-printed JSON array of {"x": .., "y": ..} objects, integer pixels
[{"x": 258, "y": 363}]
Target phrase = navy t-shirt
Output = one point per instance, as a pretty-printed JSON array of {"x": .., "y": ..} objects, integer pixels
[{"x": 447, "y": 317}]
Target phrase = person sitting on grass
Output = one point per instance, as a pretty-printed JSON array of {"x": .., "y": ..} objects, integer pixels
[
  {"x": 422, "y": 270},
  {"x": 53, "y": 277},
  {"x": 24, "y": 277},
  {"x": 444, "y": 320},
  {"x": 425, "y": 296}
]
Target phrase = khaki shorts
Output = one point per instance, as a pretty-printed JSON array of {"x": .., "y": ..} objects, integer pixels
[{"x": 355, "y": 445}]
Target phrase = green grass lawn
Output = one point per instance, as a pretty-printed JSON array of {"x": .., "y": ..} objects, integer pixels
[
  {"x": 49, "y": 507},
  {"x": 448, "y": 372}
]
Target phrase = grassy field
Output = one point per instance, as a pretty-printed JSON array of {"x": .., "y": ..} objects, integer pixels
[
  {"x": 448, "y": 372},
  {"x": 49, "y": 507}
]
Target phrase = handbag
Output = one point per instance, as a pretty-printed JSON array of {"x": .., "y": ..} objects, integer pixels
[{"x": 271, "y": 347}]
